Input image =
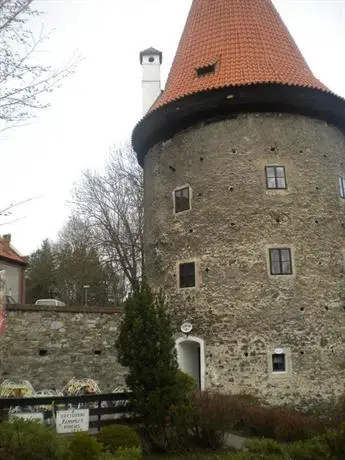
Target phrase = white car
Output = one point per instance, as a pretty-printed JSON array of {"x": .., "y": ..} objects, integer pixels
[{"x": 50, "y": 303}]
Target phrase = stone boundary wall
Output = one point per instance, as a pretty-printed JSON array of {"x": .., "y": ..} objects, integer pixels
[
  {"x": 28, "y": 307},
  {"x": 50, "y": 345}
]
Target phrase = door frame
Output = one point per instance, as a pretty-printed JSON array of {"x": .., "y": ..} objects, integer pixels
[{"x": 201, "y": 343}]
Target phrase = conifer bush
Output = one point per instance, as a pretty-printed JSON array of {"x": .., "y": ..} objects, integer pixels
[{"x": 160, "y": 393}]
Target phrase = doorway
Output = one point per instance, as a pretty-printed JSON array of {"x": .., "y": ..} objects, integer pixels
[{"x": 191, "y": 359}]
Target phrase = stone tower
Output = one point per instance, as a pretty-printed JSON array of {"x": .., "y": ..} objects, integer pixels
[{"x": 244, "y": 165}]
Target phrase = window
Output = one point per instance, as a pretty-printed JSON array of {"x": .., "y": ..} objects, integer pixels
[
  {"x": 275, "y": 177},
  {"x": 206, "y": 70},
  {"x": 280, "y": 261},
  {"x": 182, "y": 199},
  {"x": 341, "y": 186},
  {"x": 187, "y": 275},
  {"x": 278, "y": 362}
]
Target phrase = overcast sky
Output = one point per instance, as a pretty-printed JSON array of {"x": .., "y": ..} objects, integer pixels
[{"x": 99, "y": 106}]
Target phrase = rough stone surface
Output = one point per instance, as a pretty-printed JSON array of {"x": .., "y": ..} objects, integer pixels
[
  {"x": 240, "y": 311},
  {"x": 80, "y": 345}
]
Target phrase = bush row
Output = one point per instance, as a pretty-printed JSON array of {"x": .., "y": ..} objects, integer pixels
[
  {"x": 216, "y": 414},
  {"x": 22, "y": 440},
  {"x": 330, "y": 446}
]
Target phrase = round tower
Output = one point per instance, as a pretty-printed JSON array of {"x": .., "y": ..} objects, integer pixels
[{"x": 244, "y": 166}]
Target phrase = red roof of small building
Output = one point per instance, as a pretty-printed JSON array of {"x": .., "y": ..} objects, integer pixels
[
  {"x": 9, "y": 254},
  {"x": 247, "y": 42}
]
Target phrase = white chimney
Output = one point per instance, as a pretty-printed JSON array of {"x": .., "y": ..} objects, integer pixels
[{"x": 151, "y": 60}]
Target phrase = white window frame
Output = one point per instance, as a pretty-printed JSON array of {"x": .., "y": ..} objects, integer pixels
[
  {"x": 286, "y": 351},
  {"x": 341, "y": 183},
  {"x": 271, "y": 262},
  {"x": 275, "y": 177}
]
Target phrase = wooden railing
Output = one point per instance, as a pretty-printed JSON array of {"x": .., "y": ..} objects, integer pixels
[{"x": 105, "y": 409}]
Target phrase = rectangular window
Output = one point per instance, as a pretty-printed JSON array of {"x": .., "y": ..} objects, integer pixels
[
  {"x": 275, "y": 177},
  {"x": 341, "y": 180},
  {"x": 280, "y": 260},
  {"x": 182, "y": 199},
  {"x": 187, "y": 275},
  {"x": 278, "y": 362}
]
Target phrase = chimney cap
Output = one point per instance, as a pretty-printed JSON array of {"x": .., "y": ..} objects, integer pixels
[
  {"x": 7, "y": 237},
  {"x": 149, "y": 52}
]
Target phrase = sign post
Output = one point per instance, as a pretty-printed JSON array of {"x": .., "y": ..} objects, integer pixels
[{"x": 70, "y": 421}]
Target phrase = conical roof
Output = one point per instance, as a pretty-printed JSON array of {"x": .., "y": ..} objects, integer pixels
[
  {"x": 247, "y": 42},
  {"x": 234, "y": 56}
]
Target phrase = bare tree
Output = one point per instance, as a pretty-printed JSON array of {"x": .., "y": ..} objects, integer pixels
[
  {"x": 112, "y": 204},
  {"x": 23, "y": 81}
]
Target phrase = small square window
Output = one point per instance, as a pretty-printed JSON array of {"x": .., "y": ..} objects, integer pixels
[
  {"x": 280, "y": 261},
  {"x": 182, "y": 199},
  {"x": 341, "y": 181},
  {"x": 187, "y": 275},
  {"x": 278, "y": 362},
  {"x": 275, "y": 177},
  {"x": 206, "y": 70}
]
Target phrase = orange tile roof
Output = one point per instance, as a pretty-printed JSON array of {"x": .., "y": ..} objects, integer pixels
[
  {"x": 248, "y": 42},
  {"x": 9, "y": 254}
]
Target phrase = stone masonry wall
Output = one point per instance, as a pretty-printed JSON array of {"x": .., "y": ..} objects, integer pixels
[
  {"x": 241, "y": 311},
  {"x": 48, "y": 346}
]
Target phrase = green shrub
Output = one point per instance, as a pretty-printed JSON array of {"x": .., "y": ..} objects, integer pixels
[
  {"x": 82, "y": 446},
  {"x": 335, "y": 441},
  {"x": 146, "y": 346},
  {"x": 312, "y": 449},
  {"x": 128, "y": 453},
  {"x": 24, "y": 440},
  {"x": 113, "y": 437},
  {"x": 106, "y": 456},
  {"x": 264, "y": 446}
]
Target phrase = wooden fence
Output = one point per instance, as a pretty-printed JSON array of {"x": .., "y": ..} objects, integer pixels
[{"x": 105, "y": 409}]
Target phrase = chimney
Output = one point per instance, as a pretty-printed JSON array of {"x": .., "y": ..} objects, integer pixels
[
  {"x": 6, "y": 241},
  {"x": 151, "y": 60}
]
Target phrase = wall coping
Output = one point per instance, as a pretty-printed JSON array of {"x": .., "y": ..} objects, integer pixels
[{"x": 47, "y": 308}]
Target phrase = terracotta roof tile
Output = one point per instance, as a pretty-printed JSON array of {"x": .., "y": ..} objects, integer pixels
[
  {"x": 9, "y": 254},
  {"x": 247, "y": 40}
]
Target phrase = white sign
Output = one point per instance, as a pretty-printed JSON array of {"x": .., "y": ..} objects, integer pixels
[
  {"x": 186, "y": 328},
  {"x": 69, "y": 421},
  {"x": 278, "y": 351},
  {"x": 30, "y": 416}
]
